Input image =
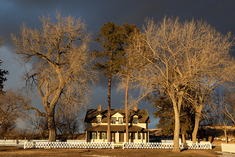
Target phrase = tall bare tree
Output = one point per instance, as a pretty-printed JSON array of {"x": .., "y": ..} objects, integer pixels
[
  {"x": 178, "y": 56},
  {"x": 58, "y": 52}
]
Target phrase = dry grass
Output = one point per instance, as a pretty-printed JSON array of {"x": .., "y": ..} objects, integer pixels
[{"x": 16, "y": 151}]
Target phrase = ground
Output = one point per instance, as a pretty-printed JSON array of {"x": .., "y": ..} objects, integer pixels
[{"x": 17, "y": 151}]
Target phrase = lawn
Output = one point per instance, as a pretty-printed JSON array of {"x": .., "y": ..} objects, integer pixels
[{"x": 17, "y": 151}]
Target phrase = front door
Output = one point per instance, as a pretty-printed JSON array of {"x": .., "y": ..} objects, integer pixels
[
  {"x": 132, "y": 136},
  {"x": 113, "y": 136},
  {"x": 121, "y": 136}
]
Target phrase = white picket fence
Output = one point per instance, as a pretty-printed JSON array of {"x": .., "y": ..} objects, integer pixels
[
  {"x": 153, "y": 145},
  {"x": 84, "y": 145},
  {"x": 110, "y": 145},
  {"x": 150, "y": 145},
  {"x": 199, "y": 146}
]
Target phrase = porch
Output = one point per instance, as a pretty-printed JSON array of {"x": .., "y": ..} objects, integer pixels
[{"x": 118, "y": 134}]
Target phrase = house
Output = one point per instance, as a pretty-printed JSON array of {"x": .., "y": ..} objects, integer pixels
[{"x": 96, "y": 125}]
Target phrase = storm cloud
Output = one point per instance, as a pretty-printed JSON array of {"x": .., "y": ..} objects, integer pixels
[{"x": 219, "y": 14}]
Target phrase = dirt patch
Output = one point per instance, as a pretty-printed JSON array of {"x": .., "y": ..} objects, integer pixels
[{"x": 16, "y": 151}]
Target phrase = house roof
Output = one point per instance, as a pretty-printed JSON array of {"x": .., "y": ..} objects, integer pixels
[
  {"x": 120, "y": 128},
  {"x": 143, "y": 116}
]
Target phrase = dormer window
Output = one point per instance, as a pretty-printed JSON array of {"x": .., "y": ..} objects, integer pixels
[
  {"x": 135, "y": 119},
  {"x": 120, "y": 120},
  {"x": 113, "y": 120},
  {"x": 117, "y": 118},
  {"x": 98, "y": 119}
]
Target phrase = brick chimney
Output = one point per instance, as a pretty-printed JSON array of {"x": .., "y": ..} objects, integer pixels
[
  {"x": 135, "y": 107},
  {"x": 100, "y": 107}
]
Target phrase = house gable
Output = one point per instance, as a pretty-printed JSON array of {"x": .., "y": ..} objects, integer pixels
[{"x": 117, "y": 115}]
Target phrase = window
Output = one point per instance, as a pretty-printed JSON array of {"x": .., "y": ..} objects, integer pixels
[
  {"x": 120, "y": 120},
  {"x": 135, "y": 119},
  {"x": 139, "y": 135},
  {"x": 113, "y": 120},
  {"x": 93, "y": 135},
  {"x": 98, "y": 120},
  {"x": 143, "y": 135},
  {"x": 103, "y": 135}
]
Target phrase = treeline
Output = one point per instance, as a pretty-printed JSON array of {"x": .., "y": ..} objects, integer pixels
[{"x": 179, "y": 66}]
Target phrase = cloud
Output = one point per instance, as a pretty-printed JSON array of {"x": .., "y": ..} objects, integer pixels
[{"x": 220, "y": 14}]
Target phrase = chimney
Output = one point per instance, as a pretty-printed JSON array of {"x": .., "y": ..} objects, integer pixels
[
  {"x": 99, "y": 109},
  {"x": 135, "y": 107}
]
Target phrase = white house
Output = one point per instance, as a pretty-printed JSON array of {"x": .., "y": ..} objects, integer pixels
[{"x": 96, "y": 128}]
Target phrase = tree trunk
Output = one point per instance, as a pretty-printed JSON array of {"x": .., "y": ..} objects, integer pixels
[
  {"x": 126, "y": 107},
  {"x": 225, "y": 134},
  {"x": 195, "y": 130},
  {"x": 196, "y": 125},
  {"x": 51, "y": 128},
  {"x": 183, "y": 138},
  {"x": 109, "y": 109},
  {"x": 177, "y": 129}
]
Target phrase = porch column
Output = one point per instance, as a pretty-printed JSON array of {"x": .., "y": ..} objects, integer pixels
[
  {"x": 141, "y": 137},
  {"x": 118, "y": 140},
  {"x": 137, "y": 136},
  {"x": 148, "y": 136}
]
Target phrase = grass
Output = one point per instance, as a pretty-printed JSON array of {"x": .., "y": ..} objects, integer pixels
[{"x": 18, "y": 151}]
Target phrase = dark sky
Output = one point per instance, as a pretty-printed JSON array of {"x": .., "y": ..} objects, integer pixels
[{"x": 218, "y": 13}]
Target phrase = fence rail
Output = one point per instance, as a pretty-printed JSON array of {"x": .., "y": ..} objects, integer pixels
[
  {"x": 150, "y": 145},
  {"x": 153, "y": 145},
  {"x": 110, "y": 145},
  {"x": 84, "y": 145},
  {"x": 199, "y": 146}
]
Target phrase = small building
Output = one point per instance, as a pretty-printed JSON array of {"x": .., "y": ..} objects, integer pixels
[{"x": 96, "y": 125}]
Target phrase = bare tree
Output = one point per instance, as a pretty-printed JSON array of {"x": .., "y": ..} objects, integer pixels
[
  {"x": 58, "y": 52},
  {"x": 11, "y": 108},
  {"x": 220, "y": 103},
  {"x": 37, "y": 124},
  {"x": 229, "y": 108},
  {"x": 67, "y": 121},
  {"x": 178, "y": 55}
]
